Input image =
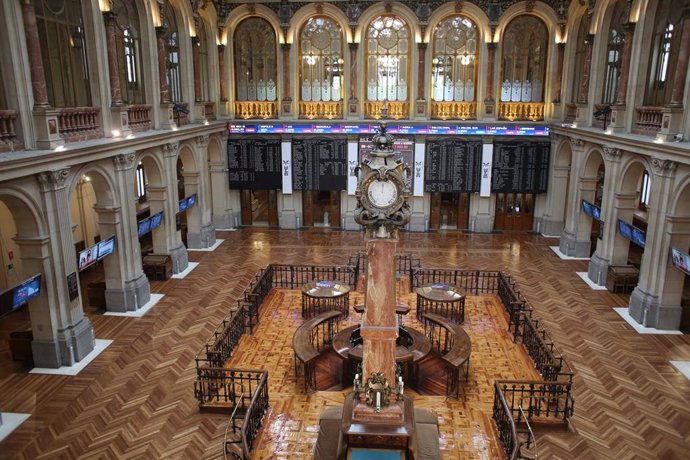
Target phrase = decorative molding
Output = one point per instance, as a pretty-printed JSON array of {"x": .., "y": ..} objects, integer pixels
[
  {"x": 577, "y": 142},
  {"x": 170, "y": 149},
  {"x": 123, "y": 161},
  {"x": 202, "y": 141},
  {"x": 611, "y": 153},
  {"x": 52, "y": 180},
  {"x": 663, "y": 167}
]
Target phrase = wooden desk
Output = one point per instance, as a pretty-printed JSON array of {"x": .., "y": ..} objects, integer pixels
[
  {"x": 378, "y": 435},
  {"x": 321, "y": 296},
  {"x": 305, "y": 351},
  {"x": 622, "y": 278},
  {"x": 455, "y": 348},
  {"x": 443, "y": 299},
  {"x": 157, "y": 266}
]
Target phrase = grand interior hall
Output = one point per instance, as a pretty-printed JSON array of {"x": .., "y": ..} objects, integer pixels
[{"x": 187, "y": 266}]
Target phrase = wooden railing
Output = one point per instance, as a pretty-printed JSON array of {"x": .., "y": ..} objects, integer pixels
[
  {"x": 454, "y": 110},
  {"x": 321, "y": 109},
  {"x": 532, "y": 111},
  {"x": 453, "y": 344},
  {"x": 79, "y": 123},
  {"x": 472, "y": 282},
  {"x": 210, "y": 110},
  {"x": 8, "y": 133},
  {"x": 395, "y": 109},
  {"x": 648, "y": 120},
  {"x": 570, "y": 114},
  {"x": 309, "y": 340},
  {"x": 139, "y": 117},
  {"x": 256, "y": 109}
]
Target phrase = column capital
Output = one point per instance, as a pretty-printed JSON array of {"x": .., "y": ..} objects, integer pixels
[
  {"x": 611, "y": 153},
  {"x": 285, "y": 46},
  {"x": 577, "y": 142},
  {"x": 353, "y": 46},
  {"x": 663, "y": 167},
  {"x": 202, "y": 141},
  {"x": 170, "y": 149},
  {"x": 161, "y": 31},
  {"x": 124, "y": 161},
  {"x": 221, "y": 48},
  {"x": 109, "y": 17},
  {"x": 52, "y": 180},
  {"x": 422, "y": 46}
]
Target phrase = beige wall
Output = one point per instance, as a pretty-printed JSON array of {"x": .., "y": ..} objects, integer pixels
[
  {"x": 10, "y": 270},
  {"x": 84, "y": 218}
]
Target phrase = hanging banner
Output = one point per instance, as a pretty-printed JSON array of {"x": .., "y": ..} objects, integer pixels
[
  {"x": 418, "y": 170},
  {"x": 487, "y": 159},
  {"x": 286, "y": 157},
  {"x": 352, "y": 160}
]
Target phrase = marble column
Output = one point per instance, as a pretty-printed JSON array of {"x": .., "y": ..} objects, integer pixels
[
  {"x": 196, "y": 62},
  {"x": 681, "y": 70},
  {"x": 628, "y": 32},
  {"x": 558, "y": 81},
  {"x": 109, "y": 18},
  {"x": 586, "y": 70},
  {"x": 33, "y": 44},
  {"x": 221, "y": 71},
  {"x": 75, "y": 335},
  {"x": 491, "y": 63},
  {"x": 646, "y": 305},
  {"x": 353, "y": 106},
  {"x": 287, "y": 90},
  {"x": 133, "y": 290},
  {"x": 421, "y": 87},
  {"x": 161, "y": 31}
]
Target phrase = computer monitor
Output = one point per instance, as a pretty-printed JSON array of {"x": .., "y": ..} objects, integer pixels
[
  {"x": 191, "y": 201},
  {"x": 681, "y": 260},
  {"x": 87, "y": 257},
  {"x": 591, "y": 210},
  {"x": 144, "y": 227},
  {"x": 638, "y": 237},
  {"x": 156, "y": 220},
  {"x": 106, "y": 247},
  {"x": 625, "y": 229},
  {"x": 27, "y": 290},
  {"x": 183, "y": 205}
]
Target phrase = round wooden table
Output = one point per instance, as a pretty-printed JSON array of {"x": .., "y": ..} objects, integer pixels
[
  {"x": 322, "y": 296},
  {"x": 442, "y": 299}
]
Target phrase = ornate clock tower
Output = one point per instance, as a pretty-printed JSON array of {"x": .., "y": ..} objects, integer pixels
[{"x": 382, "y": 208}]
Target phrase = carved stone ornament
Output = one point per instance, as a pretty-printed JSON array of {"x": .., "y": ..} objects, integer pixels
[
  {"x": 577, "y": 142},
  {"x": 124, "y": 161},
  {"x": 663, "y": 167},
  {"x": 611, "y": 153},
  {"x": 170, "y": 149},
  {"x": 52, "y": 180},
  {"x": 202, "y": 141}
]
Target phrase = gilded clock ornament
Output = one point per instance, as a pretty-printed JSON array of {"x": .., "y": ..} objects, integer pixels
[{"x": 382, "y": 190}]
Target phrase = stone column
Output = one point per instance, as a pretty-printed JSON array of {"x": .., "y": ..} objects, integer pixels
[
  {"x": 558, "y": 82},
  {"x": 599, "y": 263},
  {"x": 176, "y": 249},
  {"x": 571, "y": 244},
  {"x": 163, "y": 236},
  {"x": 74, "y": 330},
  {"x": 353, "y": 105},
  {"x": 221, "y": 71},
  {"x": 421, "y": 87},
  {"x": 113, "y": 69},
  {"x": 161, "y": 31},
  {"x": 196, "y": 61},
  {"x": 645, "y": 301},
  {"x": 222, "y": 211},
  {"x": 553, "y": 221},
  {"x": 132, "y": 291},
  {"x": 379, "y": 323},
  {"x": 491, "y": 63},
  {"x": 287, "y": 90},
  {"x": 33, "y": 44}
]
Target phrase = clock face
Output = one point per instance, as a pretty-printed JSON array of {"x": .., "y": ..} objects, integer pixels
[{"x": 382, "y": 193}]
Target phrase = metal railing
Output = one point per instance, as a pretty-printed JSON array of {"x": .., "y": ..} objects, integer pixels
[
  {"x": 472, "y": 282},
  {"x": 541, "y": 348},
  {"x": 296, "y": 276},
  {"x": 220, "y": 346},
  {"x": 240, "y": 442}
]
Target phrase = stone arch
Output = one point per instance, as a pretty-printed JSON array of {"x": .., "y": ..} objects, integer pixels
[
  {"x": 246, "y": 11},
  {"x": 540, "y": 10},
  {"x": 215, "y": 149},
  {"x": 321, "y": 9},
  {"x": 153, "y": 168},
  {"x": 470, "y": 10},
  {"x": 593, "y": 159},
  {"x": 397, "y": 9},
  {"x": 24, "y": 209}
]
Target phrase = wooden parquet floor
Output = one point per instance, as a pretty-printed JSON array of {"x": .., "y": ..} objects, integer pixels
[{"x": 136, "y": 400}]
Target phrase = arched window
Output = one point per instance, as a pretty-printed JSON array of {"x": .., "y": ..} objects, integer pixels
[
  {"x": 454, "y": 63},
  {"x": 63, "y": 49},
  {"x": 524, "y": 60},
  {"x": 614, "y": 53},
  {"x": 321, "y": 60},
  {"x": 387, "y": 50},
  {"x": 255, "y": 61},
  {"x": 128, "y": 43},
  {"x": 580, "y": 55},
  {"x": 172, "y": 48},
  {"x": 664, "y": 54},
  {"x": 204, "y": 57}
]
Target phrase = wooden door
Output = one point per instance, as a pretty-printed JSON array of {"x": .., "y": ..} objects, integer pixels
[
  {"x": 463, "y": 210},
  {"x": 246, "y": 206},
  {"x": 334, "y": 211},
  {"x": 308, "y": 208},
  {"x": 514, "y": 211},
  {"x": 272, "y": 208},
  {"x": 435, "y": 211}
]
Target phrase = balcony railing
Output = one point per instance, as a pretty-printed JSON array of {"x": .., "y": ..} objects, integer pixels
[
  {"x": 647, "y": 120},
  {"x": 181, "y": 113},
  {"x": 256, "y": 109},
  {"x": 395, "y": 109},
  {"x": 139, "y": 117},
  {"x": 570, "y": 114},
  {"x": 210, "y": 110},
  {"x": 321, "y": 109},
  {"x": 532, "y": 111},
  {"x": 8, "y": 134},
  {"x": 454, "y": 110},
  {"x": 79, "y": 123}
]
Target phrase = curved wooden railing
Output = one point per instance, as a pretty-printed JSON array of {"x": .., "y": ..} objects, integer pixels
[
  {"x": 309, "y": 340},
  {"x": 453, "y": 344}
]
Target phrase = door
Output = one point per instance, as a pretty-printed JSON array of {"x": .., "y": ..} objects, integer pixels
[
  {"x": 435, "y": 211},
  {"x": 307, "y": 208},
  {"x": 259, "y": 207},
  {"x": 514, "y": 211},
  {"x": 321, "y": 208},
  {"x": 246, "y": 205}
]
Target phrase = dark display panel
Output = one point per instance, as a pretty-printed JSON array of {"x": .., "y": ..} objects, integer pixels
[
  {"x": 319, "y": 164},
  {"x": 337, "y": 128},
  {"x": 453, "y": 165},
  {"x": 520, "y": 167},
  {"x": 254, "y": 164},
  {"x": 591, "y": 210},
  {"x": 403, "y": 149},
  {"x": 88, "y": 257},
  {"x": 681, "y": 260}
]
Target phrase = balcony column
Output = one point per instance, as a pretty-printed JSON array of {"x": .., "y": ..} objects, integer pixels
[
  {"x": 618, "y": 113},
  {"x": 558, "y": 83},
  {"x": 582, "y": 114},
  {"x": 221, "y": 71},
  {"x": 491, "y": 61},
  {"x": 120, "y": 117},
  {"x": 421, "y": 99},
  {"x": 162, "y": 70},
  {"x": 196, "y": 62},
  {"x": 352, "y": 102},
  {"x": 286, "y": 104}
]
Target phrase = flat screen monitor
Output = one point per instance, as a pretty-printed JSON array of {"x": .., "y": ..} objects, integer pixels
[
  {"x": 625, "y": 229},
  {"x": 87, "y": 257},
  {"x": 183, "y": 205},
  {"x": 106, "y": 247},
  {"x": 591, "y": 210},
  {"x": 191, "y": 201},
  {"x": 144, "y": 227},
  {"x": 638, "y": 237},
  {"x": 27, "y": 290},
  {"x": 681, "y": 260},
  {"x": 156, "y": 220}
]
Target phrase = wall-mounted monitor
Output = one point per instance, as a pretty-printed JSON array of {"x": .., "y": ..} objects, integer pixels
[
  {"x": 27, "y": 290},
  {"x": 106, "y": 247},
  {"x": 191, "y": 200},
  {"x": 87, "y": 257},
  {"x": 591, "y": 210},
  {"x": 144, "y": 227},
  {"x": 625, "y": 229},
  {"x": 183, "y": 205},
  {"x": 681, "y": 260},
  {"x": 156, "y": 220},
  {"x": 638, "y": 237}
]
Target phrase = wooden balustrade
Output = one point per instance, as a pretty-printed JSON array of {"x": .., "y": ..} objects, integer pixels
[
  {"x": 309, "y": 340},
  {"x": 320, "y": 109},
  {"x": 8, "y": 133},
  {"x": 256, "y": 109},
  {"x": 395, "y": 109},
  {"x": 570, "y": 114},
  {"x": 139, "y": 117},
  {"x": 79, "y": 123},
  {"x": 453, "y": 344},
  {"x": 532, "y": 111},
  {"x": 648, "y": 120},
  {"x": 454, "y": 110},
  {"x": 210, "y": 110}
]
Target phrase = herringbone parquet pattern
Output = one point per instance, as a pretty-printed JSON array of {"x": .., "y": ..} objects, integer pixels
[{"x": 136, "y": 400}]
